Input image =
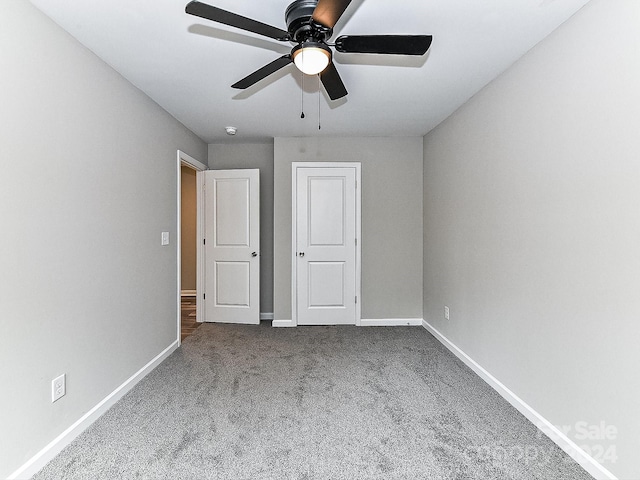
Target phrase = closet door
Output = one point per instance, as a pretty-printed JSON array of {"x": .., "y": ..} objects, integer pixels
[{"x": 326, "y": 245}]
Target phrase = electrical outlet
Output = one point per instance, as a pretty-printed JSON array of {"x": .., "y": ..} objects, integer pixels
[
  {"x": 446, "y": 312},
  {"x": 165, "y": 238},
  {"x": 58, "y": 387}
]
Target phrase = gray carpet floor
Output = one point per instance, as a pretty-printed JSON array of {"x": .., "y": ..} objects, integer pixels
[{"x": 242, "y": 402}]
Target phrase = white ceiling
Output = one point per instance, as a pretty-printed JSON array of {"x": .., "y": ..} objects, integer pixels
[{"x": 187, "y": 64}]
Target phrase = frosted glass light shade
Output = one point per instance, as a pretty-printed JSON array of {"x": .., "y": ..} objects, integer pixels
[{"x": 311, "y": 60}]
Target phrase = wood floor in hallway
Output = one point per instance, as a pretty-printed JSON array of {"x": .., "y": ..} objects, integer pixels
[{"x": 188, "y": 322}]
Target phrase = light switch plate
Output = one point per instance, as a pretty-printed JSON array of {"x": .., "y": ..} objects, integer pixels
[
  {"x": 165, "y": 238},
  {"x": 446, "y": 313}
]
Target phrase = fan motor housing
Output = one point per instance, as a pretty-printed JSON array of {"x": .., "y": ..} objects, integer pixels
[{"x": 299, "y": 24}]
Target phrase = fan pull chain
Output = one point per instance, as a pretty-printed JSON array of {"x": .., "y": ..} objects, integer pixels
[
  {"x": 302, "y": 97},
  {"x": 319, "y": 127}
]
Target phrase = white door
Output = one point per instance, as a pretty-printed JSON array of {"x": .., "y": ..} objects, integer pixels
[
  {"x": 326, "y": 245},
  {"x": 232, "y": 246}
]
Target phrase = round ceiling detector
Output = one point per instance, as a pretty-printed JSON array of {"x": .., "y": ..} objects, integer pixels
[{"x": 231, "y": 130}]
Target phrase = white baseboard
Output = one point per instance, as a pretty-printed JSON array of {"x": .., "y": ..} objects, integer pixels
[
  {"x": 391, "y": 322},
  {"x": 376, "y": 322},
  {"x": 266, "y": 316},
  {"x": 587, "y": 462},
  {"x": 188, "y": 293},
  {"x": 283, "y": 323},
  {"x": 44, "y": 456}
]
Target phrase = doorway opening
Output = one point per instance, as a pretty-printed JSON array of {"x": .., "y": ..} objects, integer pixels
[{"x": 190, "y": 257}]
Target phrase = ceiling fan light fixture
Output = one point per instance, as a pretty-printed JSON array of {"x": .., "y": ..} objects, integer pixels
[{"x": 311, "y": 58}]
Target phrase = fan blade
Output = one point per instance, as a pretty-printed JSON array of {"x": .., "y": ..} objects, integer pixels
[
  {"x": 385, "y": 44},
  {"x": 333, "y": 83},
  {"x": 264, "y": 72},
  {"x": 328, "y": 12},
  {"x": 222, "y": 16}
]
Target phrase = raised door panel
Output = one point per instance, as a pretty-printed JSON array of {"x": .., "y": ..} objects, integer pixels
[
  {"x": 233, "y": 212},
  {"x": 326, "y": 211}
]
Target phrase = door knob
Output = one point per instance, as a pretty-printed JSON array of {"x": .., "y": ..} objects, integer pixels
[
  {"x": 301, "y": 254},
  {"x": 254, "y": 254}
]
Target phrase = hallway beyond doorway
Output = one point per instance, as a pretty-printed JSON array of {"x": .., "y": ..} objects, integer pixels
[{"x": 188, "y": 322}]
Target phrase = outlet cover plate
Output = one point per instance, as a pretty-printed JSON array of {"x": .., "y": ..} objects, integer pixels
[{"x": 58, "y": 387}]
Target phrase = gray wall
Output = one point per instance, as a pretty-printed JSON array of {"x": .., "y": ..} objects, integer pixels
[
  {"x": 87, "y": 184},
  {"x": 188, "y": 219},
  {"x": 254, "y": 155},
  {"x": 532, "y": 227},
  {"x": 391, "y": 219}
]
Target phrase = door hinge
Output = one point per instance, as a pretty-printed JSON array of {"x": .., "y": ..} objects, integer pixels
[
  {"x": 356, "y": 242},
  {"x": 356, "y": 299},
  {"x": 204, "y": 296},
  {"x": 204, "y": 241}
]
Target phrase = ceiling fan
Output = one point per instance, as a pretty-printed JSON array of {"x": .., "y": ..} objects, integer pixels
[{"x": 309, "y": 26}]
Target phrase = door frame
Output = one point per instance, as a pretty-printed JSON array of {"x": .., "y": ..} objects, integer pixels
[
  {"x": 199, "y": 167},
  {"x": 294, "y": 201}
]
